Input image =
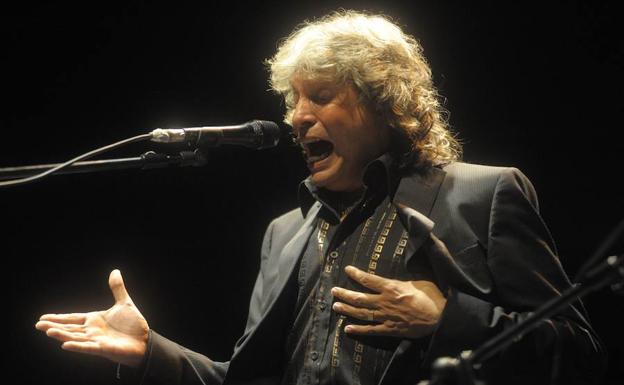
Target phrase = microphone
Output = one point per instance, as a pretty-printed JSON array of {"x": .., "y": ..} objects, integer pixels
[{"x": 258, "y": 134}]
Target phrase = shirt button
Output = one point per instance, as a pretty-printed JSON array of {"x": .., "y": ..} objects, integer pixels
[
  {"x": 314, "y": 356},
  {"x": 333, "y": 254},
  {"x": 322, "y": 305}
]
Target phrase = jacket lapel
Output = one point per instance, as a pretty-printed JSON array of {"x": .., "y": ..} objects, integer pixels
[
  {"x": 414, "y": 199},
  {"x": 419, "y": 190},
  {"x": 292, "y": 252},
  {"x": 246, "y": 364}
]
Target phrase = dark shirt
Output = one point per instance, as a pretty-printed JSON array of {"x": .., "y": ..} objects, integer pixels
[{"x": 370, "y": 237}]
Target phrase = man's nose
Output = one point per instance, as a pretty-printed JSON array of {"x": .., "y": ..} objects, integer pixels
[{"x": 303, "y": 117}]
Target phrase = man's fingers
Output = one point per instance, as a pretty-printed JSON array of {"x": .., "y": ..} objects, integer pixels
[
  {"x": 64, "y": 336},
  {"x": 115, "y": 281},
  {"x": 384, "y": 329},
  {"x": 71, "y": 318},
  {"x": 365, "y": 279},
  {"x": 355, "y": 298},
  {"x": 88, "y": 347},
  {"x": 358, "y": 312},
  {"x": 45, "y": 325}
]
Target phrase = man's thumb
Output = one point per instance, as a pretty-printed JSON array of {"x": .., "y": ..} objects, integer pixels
[{"x": 117, "y": 286}]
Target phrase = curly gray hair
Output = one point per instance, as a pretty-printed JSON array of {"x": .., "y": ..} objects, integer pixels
[{"x": 385, "y": 65}]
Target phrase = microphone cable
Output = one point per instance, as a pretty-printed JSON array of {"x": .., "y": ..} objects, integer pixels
[{"x": 90, "y": 154}]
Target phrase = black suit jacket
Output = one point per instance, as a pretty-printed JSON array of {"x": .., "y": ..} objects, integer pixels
[{"x": 479, "y": 229}]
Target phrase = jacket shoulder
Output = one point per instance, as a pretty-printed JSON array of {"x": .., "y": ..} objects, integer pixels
[
  {"x": 474, "y": 183},
  {"x": 466, "y": 198},
  {"x": 486, "y": 179},
  {"x": 491, "y": 178},
  {"x": 474, "y": 172}
]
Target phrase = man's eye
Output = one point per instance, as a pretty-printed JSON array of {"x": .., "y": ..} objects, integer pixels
[{"x": 323, "y": 97}]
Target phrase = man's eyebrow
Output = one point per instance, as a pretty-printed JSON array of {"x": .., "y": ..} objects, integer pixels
[{"x": 325, "y": 84}]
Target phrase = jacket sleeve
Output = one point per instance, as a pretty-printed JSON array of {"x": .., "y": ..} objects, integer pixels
[
  {"x": 169, "y": 363},
  {"x": 525, "y": 272}
]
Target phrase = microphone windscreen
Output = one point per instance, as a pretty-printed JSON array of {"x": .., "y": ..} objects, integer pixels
[{"x": 270, "y": 133}]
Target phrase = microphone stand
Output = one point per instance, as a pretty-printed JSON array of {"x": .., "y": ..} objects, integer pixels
[
  {"x": 257, "y": 134},
  {"x": 147, "y": 160},
  {"x": 459, "y": 370}
]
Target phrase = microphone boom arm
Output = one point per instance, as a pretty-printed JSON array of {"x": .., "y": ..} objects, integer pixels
[{"x": 146, "y": 160}]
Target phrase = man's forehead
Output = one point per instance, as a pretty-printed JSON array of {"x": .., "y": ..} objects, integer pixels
[
  {"x": 310, "y": 83},
  {"x": 315, "y": 80}
]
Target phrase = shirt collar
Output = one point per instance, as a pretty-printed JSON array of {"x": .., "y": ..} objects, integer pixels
[{"x": 380, "y": 175}]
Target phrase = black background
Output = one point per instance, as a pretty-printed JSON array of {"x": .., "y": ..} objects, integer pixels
[{"x": 536, "y": 86}]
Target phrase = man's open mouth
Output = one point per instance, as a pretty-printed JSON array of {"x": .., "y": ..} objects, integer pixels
[{"x": 317, "y": 150}]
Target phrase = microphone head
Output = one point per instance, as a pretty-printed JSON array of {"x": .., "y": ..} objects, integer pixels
[{"x": 268, "y": 133}]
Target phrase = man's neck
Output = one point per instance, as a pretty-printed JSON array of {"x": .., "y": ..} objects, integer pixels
[{"x": 341, "y": 201}]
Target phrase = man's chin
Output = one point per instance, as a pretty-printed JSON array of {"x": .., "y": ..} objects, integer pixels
[
  {"x": 332, "y": 182},
  {"x": 320, "y": 180}
]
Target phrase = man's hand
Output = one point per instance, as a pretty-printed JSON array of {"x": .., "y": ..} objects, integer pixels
[
  {"x": 119, "y": 333},
  {"x": 409, "y": 309}
]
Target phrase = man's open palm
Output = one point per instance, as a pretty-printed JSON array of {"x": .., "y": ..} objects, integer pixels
[{"x": 119, "y": 333}]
